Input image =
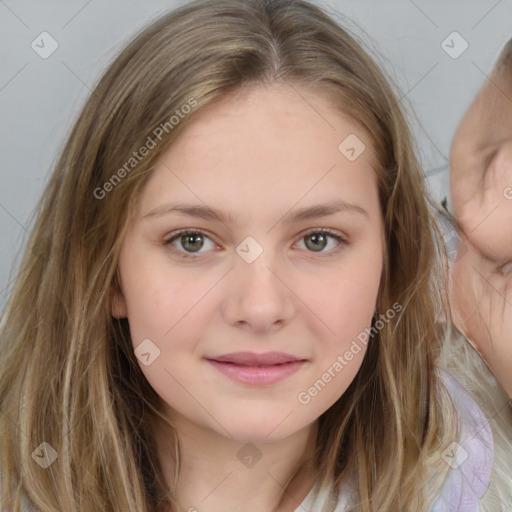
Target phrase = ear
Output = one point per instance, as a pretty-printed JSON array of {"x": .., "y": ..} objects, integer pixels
[{"x": 117, "y": 300}]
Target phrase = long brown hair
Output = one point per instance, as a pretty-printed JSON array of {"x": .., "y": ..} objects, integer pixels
[{"x": 68, "y": 374}]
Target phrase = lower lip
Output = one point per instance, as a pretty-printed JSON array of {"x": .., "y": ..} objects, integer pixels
[{"x": 257, "y": 375}]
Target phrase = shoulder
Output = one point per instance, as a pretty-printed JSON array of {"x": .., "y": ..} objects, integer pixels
[
  {"x": 470, "y": 457},
  {"x": 347, "y": 498}
]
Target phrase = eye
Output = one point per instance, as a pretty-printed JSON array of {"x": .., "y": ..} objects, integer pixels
[
  {"x": 318, "y": 239},
  {"x": 192, "y": 241},
  {"x": 187, "y": 243}
]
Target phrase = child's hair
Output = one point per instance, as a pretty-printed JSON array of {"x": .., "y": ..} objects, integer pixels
[{"x": 68, "y": 373}]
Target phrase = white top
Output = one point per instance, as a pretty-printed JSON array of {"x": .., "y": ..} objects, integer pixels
[{"x": 470, "y": 460}]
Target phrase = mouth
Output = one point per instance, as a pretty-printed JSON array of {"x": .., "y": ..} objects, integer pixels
[{"x": 257, "y": 369}]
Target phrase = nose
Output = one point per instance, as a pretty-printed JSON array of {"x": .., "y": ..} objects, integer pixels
[{"x": 258, "y": 295}]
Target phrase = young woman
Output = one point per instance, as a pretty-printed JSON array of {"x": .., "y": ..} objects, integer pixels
[{"x": 229, "y": 297}]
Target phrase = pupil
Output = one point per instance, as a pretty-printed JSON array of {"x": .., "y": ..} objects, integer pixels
[
  {"x": 317, "y": 239},
  {"x": 191, "y": 241}
]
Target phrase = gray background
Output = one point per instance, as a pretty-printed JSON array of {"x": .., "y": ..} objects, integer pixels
[{"x": 40, "y": 98}]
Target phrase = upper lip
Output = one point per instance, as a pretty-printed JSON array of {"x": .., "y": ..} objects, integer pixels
[{"x": 253, "y": 359}]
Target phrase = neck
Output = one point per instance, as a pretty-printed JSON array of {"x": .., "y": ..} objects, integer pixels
[{"x": 219, "y": 474}]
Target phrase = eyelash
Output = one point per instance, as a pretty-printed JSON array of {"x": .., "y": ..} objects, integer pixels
[{"x": 324, "y": 231}]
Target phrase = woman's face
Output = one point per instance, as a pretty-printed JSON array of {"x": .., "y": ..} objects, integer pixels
[{"x": 259, "y": 176}]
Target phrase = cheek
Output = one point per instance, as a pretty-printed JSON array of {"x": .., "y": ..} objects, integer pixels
[
  {"x": 167, "y": 312},
  {"x": 348, "y": 303},
  {"x": 349, "y": 313},
  {"x": 493, "y": 231},
  {"x": 161, "y": 299},
  {"x": 347, "y": 298},
  {"x": 344, "y": 309}
]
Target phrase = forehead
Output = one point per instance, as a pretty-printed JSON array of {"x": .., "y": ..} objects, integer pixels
[
  {"x": 266, "y": 119},
  {"x": 267, "y": 145}
]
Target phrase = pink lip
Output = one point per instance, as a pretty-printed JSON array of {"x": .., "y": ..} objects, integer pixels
[{"x": 257, "y": 369}]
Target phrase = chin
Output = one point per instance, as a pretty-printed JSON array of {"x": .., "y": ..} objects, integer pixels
[
  {"x": 248, "y": 428},
  {"x": 259, "y": 436}
]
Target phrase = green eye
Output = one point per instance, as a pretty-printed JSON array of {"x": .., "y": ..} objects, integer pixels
[
  {"x": 189, "y": 241},
  {"x": 192, "y": 242},
  {"x": 317, "y": 240}
]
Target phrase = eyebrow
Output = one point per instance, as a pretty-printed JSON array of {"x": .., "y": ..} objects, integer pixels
[{"x": 207, "y": 213}]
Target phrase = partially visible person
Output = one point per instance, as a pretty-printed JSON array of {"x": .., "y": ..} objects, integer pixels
[
  {"x": 481, "y": 191},
  {"x": 481, "y": 269}
]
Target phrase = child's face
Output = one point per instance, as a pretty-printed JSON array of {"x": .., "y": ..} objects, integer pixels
[
  {"x": 481, "y": 190},
  {"x": 261, "y": 157},
  {"x": 481, "y": 168}
]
